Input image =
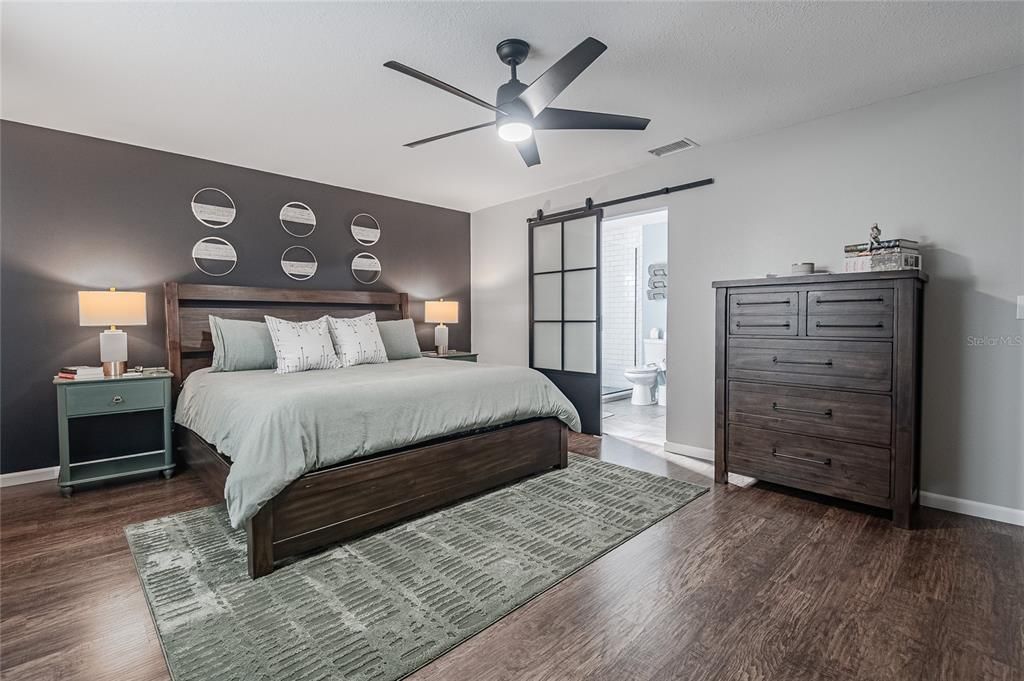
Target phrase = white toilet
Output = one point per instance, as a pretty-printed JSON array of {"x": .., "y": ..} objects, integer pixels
[{"x": 645, "y": 378}]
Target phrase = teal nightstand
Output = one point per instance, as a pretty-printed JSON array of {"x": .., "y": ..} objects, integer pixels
[
  {"x": 457, "y": 355},
  {"x": 84, "y": 409}
]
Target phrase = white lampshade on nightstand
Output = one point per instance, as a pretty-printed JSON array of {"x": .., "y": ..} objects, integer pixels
[
  {"x": 441, "y": 312},
  {"x": 112, "y": 308}
]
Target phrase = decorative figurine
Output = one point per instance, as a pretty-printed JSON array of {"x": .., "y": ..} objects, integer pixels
[{"x": 876, "y": 236}]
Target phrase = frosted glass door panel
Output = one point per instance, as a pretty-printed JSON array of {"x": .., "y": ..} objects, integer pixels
[
  {"x": 547, "y": 345},
  {"x": 547, "y": 248},
  {"x": 581, "y": 347},
  {"x": 580, "y": 295},
  {"x": 547, "y": 297},
  {"x": 580, "y": 243}
]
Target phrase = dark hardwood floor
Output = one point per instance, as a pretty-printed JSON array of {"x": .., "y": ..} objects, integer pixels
[{"x": 741, "y": 584}]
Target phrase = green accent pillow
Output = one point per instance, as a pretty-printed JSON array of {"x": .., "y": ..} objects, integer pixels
[
  {"x": 241, "y": 346},
  {"x": 399, "y": 339}
]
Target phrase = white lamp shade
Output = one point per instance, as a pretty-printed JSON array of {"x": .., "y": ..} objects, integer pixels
[
  {"x": 441, "y": 312},
  {"x": 111, "y": 308}
]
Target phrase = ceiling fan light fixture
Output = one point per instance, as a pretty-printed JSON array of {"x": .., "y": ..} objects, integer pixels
[
  {"x": 514, "y": 131},
  {"x": 520, "y": 108}
]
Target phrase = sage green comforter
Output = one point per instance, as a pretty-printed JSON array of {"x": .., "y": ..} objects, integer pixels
[{"x": 276, "y": 427}]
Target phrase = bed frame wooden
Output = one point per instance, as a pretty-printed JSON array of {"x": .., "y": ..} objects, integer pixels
[{"x": 329, "y": 505}]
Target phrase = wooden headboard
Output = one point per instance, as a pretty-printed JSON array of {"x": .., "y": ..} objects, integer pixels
[{"x": 189, "y": 306}]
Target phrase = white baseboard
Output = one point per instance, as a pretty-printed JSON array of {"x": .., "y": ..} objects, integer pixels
[
  {"x": 25, "y": 477},
  {"x": 978, "y": 509},
  {"x": 1003, "y": 514},
  {"x": 690, "y": 450}
]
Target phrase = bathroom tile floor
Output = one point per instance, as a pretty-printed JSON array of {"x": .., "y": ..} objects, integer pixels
[{"x": 633, "y": 422}]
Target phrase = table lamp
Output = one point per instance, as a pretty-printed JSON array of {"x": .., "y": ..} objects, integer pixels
[
  {"x": 112, "y": 308},
  {"x": 441, "y": 312}
]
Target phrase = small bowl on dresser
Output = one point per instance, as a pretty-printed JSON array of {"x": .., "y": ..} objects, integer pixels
[{"x": 802, "y": 268}]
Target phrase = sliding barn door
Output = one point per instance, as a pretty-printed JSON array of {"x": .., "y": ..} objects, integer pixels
[{"x": 565, "y": 309}]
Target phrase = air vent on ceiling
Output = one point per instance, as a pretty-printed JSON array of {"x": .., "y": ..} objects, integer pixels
[{"x": 673, "y": 147}]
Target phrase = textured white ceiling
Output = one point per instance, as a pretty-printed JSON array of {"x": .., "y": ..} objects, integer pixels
[{"x": 299, "y": 89}]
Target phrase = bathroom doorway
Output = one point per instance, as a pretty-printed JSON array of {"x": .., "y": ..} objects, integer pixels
[{"x": 634, "y": 294}]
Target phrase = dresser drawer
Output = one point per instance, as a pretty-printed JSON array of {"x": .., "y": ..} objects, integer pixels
[
  {"x": 102, "y": 398},
  {"x": 829, "y": 364},
  {"x": 842, "y": 469},
  {"x": 784, "y": 303},
  {"x": 812, "y": 411},
  {"x": 849, "y": 326},
  {"x": 763, "y": 325},
  {"x": 839, "y": 302},
  {"x": 850, "y": 313}
]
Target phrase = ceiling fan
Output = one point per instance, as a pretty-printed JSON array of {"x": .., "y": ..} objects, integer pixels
[{"x": 519, "y": 109}]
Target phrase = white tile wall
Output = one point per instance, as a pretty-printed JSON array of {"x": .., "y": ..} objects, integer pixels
[{"x": 620, "y": 304}]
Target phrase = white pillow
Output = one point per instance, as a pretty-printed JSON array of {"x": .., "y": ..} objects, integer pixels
[
  {"x": 302, "y": 346},
  {"x": 358, "y": 340}
]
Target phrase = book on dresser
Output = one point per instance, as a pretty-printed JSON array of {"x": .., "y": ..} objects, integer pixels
[{"x": 817, "y": 384}]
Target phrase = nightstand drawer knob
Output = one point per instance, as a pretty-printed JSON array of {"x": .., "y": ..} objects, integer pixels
[{"x": 117, "y": 399}]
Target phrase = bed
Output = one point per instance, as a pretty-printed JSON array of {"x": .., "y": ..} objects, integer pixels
[{"x": 405, "y": 438}]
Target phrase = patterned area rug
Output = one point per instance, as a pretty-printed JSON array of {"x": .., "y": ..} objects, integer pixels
[{"x": 384, "y": 605}]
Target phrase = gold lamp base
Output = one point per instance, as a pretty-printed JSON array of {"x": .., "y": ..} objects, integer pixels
[{"x": 115, "y": 368}]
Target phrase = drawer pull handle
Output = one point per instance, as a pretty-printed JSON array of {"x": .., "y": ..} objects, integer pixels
[
  {"x": 827, "y": 413},
  {"x": 804, "y": 459},
  {"x": 877, "y": 325},
  {"x": 826, "y": 363},
  {"x": 761, "y": 302},
  {"x": 117, "y": 399},
  {"x": 879, "y": 299},
  {"x": 783, "y": 325}
]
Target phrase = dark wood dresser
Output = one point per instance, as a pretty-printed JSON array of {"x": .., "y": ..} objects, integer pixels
[{"x": 817, "y": 384}]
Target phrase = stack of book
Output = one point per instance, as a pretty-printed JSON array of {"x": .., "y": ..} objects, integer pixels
[
  {"x": 80, "y": 373},
  {"x": 883, "y": 256}
]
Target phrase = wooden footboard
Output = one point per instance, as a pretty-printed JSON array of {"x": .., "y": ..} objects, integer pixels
[{"x": 327, "y": 506}]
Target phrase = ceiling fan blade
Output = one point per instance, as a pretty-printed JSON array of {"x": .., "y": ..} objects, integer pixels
[
  {"x": 550, "y": 84},
  {"x": 570, "y": 119},
  {"x": 447, "y": 134},
  {"x": 430, "y": 80},
  {"x": 528, "y": 150}
]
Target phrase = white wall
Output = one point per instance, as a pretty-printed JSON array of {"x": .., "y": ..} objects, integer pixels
[{"x": 943, "y": 166}]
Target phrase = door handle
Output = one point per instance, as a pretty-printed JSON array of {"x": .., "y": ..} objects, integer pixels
[
  {"x": 117, "y": 399},
  {"x": 740, "y": 303}
]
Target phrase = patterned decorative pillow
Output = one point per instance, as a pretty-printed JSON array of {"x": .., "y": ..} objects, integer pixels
[
  {"x": 358, "y": 340},
  {"x": 302, "y": 346}
]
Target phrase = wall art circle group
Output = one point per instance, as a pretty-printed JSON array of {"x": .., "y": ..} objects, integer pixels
[{"x": 216, "y": 257}]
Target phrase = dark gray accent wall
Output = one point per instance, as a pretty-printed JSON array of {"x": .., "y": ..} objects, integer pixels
[{"x": 80, "y": 213}]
